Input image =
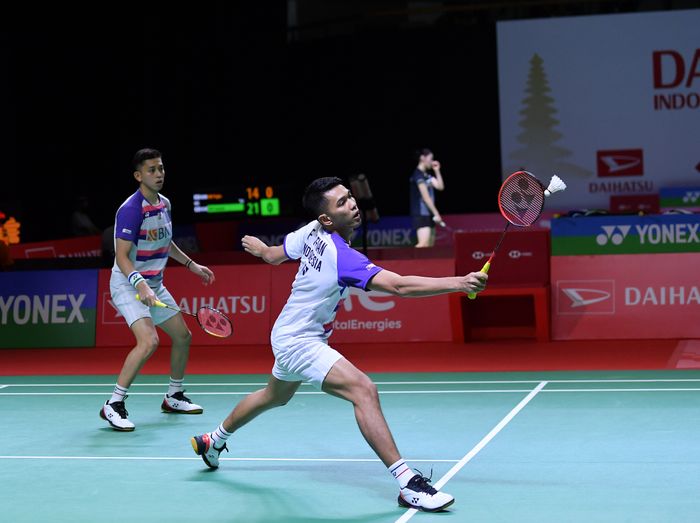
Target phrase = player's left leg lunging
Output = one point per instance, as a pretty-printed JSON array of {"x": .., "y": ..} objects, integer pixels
[{"x": 275, "y": 394}]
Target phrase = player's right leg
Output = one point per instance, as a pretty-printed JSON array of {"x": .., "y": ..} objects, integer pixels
[
  {"x": 275, "y": 394},
  {"x": 114, "y": 410},
  {"x": 346, "y": 381}
]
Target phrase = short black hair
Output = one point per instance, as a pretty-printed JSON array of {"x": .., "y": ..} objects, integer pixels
[
  {"x": 421, "y": 152},
  {"x": 313, "y": 199},
  {"x": 144, "y": 154}
]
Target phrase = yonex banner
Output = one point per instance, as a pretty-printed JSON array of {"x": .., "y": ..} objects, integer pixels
[
  {"x": 48, "y": 309},
  {"x": 626, "y": 296},
  {"x": 687, "y": 198},
  {"x": 611, "y": 103},
  {"x": 389, "y": 231},
  {"x": 626, "y": 234}
]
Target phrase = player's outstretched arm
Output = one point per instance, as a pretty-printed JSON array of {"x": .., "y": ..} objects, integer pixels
[
  {"x": 273, "y": 255},
  {"x": 415, "y": 286}
]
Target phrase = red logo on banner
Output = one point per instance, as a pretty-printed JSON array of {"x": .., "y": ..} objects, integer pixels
[
  {"x": 110, "y": 313},
  {"x": 586, "y": 297},
  {"x": 622, "y": 162}
]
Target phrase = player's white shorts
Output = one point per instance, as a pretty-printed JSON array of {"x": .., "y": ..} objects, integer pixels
[
  {"x": 306, "y": 360},
  {"x": 124, "y": 299}
]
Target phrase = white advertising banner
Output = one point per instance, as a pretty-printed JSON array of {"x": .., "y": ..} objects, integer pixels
[{"x": 610, "y": 103}]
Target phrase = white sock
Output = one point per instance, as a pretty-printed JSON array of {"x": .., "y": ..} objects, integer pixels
[
  {"x": 118, "y": 394},
  {"x": 401, "y": 472},
  {"x": 175, "y": 386},
  {"x": 219, "y": 436}
]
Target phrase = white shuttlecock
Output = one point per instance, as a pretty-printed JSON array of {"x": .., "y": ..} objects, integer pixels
[{"x": 556, "y": 184}]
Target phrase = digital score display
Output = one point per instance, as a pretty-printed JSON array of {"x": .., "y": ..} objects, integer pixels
[{"x": 250, "y": 201}]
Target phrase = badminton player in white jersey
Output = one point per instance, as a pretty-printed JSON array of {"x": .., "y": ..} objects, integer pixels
[
  {"x": 142, "y": 244},
  {"x": 300, "y": 335}
]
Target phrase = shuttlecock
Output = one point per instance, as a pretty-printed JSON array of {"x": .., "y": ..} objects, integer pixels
[{"x": 556, "y": 184}]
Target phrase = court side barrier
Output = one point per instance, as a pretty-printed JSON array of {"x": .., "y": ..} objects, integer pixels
[
  {"x": 626, "y": 277},
  {"x": 48, "y": 308},
  {"x": 253, "y": 295},
  {"x": 516, "y": 301}
]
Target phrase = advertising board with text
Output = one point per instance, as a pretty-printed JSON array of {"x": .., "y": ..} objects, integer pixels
[{"x": 628, "y": 296}]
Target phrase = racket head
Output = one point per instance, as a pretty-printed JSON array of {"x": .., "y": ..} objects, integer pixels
[
  {"x": 214, "y": 322},
  {"x": 521, "y": 199}
]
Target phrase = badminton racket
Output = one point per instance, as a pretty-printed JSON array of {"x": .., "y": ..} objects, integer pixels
[
  {"x": 212, "y": 321},
  {"x": 521, "y": 200}
]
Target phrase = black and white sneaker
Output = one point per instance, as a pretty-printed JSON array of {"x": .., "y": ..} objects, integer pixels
[
  {"x": 116, "y": 415},
  {"x": 180, "y": 404},
  {"x": 204, "y": 446},
  {"x": 421, "y": 495}
]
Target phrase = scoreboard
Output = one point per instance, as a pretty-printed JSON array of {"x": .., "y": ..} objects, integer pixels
[{"x": 245, "y": 201}]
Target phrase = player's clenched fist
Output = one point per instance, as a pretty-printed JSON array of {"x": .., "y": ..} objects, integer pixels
[{"x": 475, "y": 282}]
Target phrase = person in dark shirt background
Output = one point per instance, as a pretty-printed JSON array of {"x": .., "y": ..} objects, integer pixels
[{"x": 425, "y": 179}]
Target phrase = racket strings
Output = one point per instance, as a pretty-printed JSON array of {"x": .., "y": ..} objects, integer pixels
[
  {"x": 214, "y": 322},
  {"x": 521, "y": 199}
]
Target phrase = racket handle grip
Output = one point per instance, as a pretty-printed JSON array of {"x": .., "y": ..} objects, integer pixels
[
  {"x": 158, "y": 303},
  {"x": 485, "y": 268}
]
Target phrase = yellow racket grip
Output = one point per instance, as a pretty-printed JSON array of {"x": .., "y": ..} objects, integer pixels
[
  {"x": 485, "y": 268},
  {"x": 157, "y": 304}
]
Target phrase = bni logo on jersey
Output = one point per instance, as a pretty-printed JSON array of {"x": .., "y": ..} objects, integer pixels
[
  {"x": 620, "y": 162},
  {"x": 583, "y": 297}
]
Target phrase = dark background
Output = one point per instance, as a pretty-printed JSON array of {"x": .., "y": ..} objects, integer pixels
[{"x": 265, "y": 92}]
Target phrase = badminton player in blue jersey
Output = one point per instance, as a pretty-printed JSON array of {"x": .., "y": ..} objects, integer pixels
[
  {"x": 328, "y": 266},
  {"x": 143, "y": 243}
]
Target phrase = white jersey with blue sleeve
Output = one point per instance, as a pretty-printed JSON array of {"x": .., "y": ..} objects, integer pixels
[{"x": 328, "y": 266}]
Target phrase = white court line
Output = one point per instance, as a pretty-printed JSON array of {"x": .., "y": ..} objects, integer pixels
[
  {"x": 3, "y": 386},
  {"x": 447, "y": 382},
  {"x": 320, "y": 393},
  {"x": 477, "y": 448},
  {"x": 169, "y": 458},
  {"x": 244, "y": 393}
]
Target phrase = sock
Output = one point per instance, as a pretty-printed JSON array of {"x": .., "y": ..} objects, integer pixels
[
  {"x": 401, "y": 472},
  {"x": 219, "y": 436},
  {"x": 118, "y": 394},
  {"x": 175, "y": 386}
]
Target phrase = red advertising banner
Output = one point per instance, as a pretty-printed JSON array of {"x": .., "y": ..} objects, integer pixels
[
  {"x": 253, "y": 295},
  {"x": 82, "y": 247},
  {"x": 523, "y": 257},
  {"x": 242, "y": 292},
  {"x": 630, "y": 296},
  {"x": 375, "y": 317}
]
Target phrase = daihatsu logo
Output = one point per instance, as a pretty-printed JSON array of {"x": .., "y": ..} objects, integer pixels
[{"x": 583, "y": 297}]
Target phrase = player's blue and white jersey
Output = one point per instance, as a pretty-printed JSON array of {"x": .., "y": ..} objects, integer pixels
[
  {"x": 150, "y": 230},
  {"x": 327, "y": 268}
]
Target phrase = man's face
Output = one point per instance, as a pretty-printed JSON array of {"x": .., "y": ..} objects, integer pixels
[
  {"x": 151, "y": 174},
  {"x": 341, "y": 208},
  {"x": 427, "y": 160}
]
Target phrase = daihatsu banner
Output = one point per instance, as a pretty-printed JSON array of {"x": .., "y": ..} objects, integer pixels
[{"x": 610, "y": 103}]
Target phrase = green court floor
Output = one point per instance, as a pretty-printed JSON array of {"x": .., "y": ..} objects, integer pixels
[{"x": 541, "y": 447}]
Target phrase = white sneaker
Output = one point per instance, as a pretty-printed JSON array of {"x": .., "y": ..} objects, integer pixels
[
  {"x": 204, "y": 446},
  {"x": 180, "y": 404},
  {"x": 116, "y": 415},
  {"x": 421, "y": 495}
]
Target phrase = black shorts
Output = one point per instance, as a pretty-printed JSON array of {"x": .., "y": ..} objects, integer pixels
[{"x": 423, "y": 221}]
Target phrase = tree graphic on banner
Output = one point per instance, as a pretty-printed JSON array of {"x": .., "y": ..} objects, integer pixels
[{"x": 540, "y": 152}]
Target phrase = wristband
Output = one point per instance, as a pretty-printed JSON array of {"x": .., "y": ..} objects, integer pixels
[
  {"x": 189, "y": 262},
  {"x": 135, "y": 278}
]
